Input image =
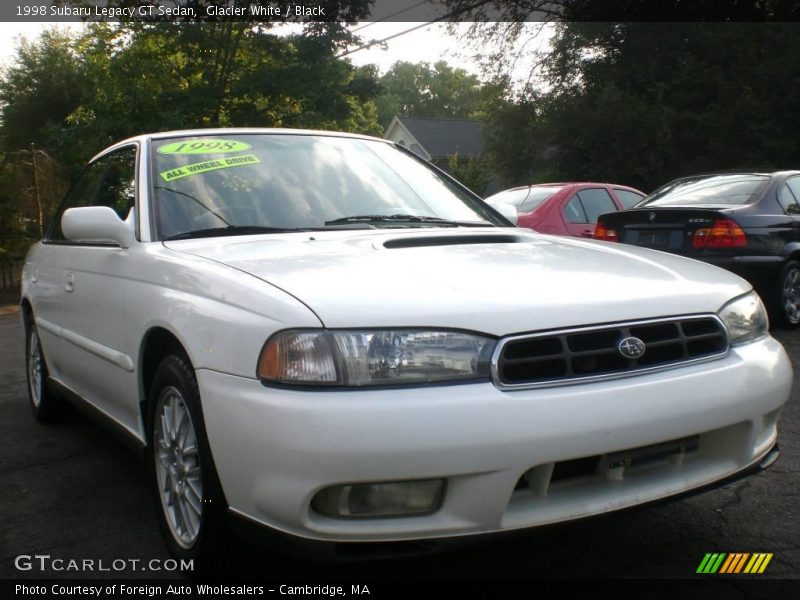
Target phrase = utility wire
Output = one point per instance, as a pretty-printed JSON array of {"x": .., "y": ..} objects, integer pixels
[
  {"x": 420, "y": 26},
  {"x": 394, "y": 14},
  {"x": 386, "y": 39}
]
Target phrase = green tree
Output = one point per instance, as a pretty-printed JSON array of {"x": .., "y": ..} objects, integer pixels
[
  {"x": 519, "y": 145},
  {"x": 139, "y": 77},
  {"x": 72, "y": 95},
  {"x": 641, "y": 103},
  {"x": 473, "y": 173},
  {"x": 31, "y": 185},
  {"x": 438, "y": 90},
  {"x": 40, "y": 90}
]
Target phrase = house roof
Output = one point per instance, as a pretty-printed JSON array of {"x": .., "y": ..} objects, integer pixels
[{"x": 444, "y": 137}]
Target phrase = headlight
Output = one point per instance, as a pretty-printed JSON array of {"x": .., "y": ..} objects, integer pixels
[
  {"x": 384, "y": 357},
  {"x": 745, "y": 318}
]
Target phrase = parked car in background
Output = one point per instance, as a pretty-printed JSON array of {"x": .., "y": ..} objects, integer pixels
[
  {"x": 321, "y": 335},
  {"x": 566, "y": 208},
  {"x": 748, "y": 223}
]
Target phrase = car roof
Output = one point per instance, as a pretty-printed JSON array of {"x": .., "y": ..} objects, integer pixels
[
  {"x": 231, "y": 131},
  {"x": 759, "y": 173},
  {"x": 564, "y": 183}
]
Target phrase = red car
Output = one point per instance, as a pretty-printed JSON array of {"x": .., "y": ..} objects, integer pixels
[{"x": 567, "y": 208}]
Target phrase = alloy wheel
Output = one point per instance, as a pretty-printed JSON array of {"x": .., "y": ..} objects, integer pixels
[
  {"x": 35, "y": 368},
  {"x": 791, "y": 295},
  {"x": 178, "y": 469}
]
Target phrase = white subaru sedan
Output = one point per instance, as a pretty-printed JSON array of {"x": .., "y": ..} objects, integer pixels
[{"x": 323, "y": 335}]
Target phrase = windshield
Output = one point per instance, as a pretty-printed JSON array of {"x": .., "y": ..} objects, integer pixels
[
  {"x": 291, "y": 182},
  {"x": 709, "y": 189}
]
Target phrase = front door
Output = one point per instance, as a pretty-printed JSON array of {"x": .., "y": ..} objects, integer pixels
[{"x": 96, "y": 360}]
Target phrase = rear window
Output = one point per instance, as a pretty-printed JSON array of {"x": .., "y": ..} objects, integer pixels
[
  {"x": 538, "y": 196},
  {"x": 512, "y": 197},
  {"x": 525, "y": 199},
  {"x": 728, "y": 190}
]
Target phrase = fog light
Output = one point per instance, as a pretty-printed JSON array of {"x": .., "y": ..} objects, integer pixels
[{"x": 394, "y": 499}]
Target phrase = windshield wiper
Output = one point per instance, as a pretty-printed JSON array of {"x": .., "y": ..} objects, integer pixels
[
  {"x": 192, "y": 198},
  {"x": 229, "y": 230},
  {"x": 407, "y": 219}
]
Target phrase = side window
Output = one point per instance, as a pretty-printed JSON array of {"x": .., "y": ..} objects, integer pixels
[
  {"x": 788, "y": 196},
  {"x": 118, "y": 189},
  {"x": 573, "y": 211},
  {"x": 596, "y": 201},
  {"x": 109, "y": 181},
  {"x": 628, "y": 199}
]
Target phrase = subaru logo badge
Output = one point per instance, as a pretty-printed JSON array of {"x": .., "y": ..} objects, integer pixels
[{"x": 631, "y": 347}]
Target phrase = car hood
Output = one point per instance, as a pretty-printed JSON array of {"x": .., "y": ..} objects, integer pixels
[{"x": 497, "y": 281}]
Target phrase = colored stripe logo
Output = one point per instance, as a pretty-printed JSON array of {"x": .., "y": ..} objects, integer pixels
[{"x": 734, "y": 563}]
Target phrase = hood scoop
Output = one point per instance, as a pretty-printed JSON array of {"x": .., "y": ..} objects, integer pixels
[{"x": 452, "y": 240}]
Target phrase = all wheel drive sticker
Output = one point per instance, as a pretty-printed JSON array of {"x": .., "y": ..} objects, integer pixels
[{"x": 207, "y": 147}]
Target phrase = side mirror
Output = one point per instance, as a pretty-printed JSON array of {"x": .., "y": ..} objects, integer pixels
[
  {"x": 508, "y": 211},
  {"x": 96, "y": 224}
]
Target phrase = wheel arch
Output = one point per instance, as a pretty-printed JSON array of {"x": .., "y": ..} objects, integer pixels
[
  {"x": 26, "y": 312},
  {"x": 157, "y": 343},
  {"x": 791, "y": 251}
]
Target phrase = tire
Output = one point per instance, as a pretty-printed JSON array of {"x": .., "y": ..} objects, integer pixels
[
  {"x": 788, "y": 294},
  {"x": 44, "y": 404},
  {"x": 189, "y": 500}
]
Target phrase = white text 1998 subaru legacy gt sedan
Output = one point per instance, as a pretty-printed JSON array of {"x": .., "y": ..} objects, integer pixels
[{"x": 322, "y": 334}]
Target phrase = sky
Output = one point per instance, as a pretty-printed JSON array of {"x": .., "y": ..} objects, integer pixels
[{"x": 429, "y": 43}]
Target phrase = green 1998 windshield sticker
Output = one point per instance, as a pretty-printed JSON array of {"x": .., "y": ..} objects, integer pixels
[
  {"x": 204, "y": 146},
  {"x": 209, "y": 165}
]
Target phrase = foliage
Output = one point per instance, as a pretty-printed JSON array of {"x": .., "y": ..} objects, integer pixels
[
  {"x": 72, "y": 95},
  {"x": 32, "y": 185},
  {"x": 438, "y": 90},
  {"x": 641, "y": 103},
  {"x": 42, "y": 89},
  {"x": 588, "y": 11},
  {"x": 472, "y": 172},
  {"x": 116, "y": 81}
]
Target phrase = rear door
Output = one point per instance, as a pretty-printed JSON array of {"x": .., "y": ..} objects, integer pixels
[{"x": 580, "y": 212}]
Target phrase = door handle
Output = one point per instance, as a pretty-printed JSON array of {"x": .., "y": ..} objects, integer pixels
[{"x": 70, "y": 284}]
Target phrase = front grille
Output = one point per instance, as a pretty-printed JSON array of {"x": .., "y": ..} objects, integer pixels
[{"x": 593, "y": 352}]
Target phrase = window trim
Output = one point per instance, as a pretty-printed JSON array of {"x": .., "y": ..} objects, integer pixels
[
  {"x": 478, "y": 205},
  {"x": 576, "y": 196},
  {"x": 47, "y": 236},
  {"x": 580, "y": 204},
  {"x": 785, "y": 184},
  {"x": 608, "y": 194},
  {"x": 619, "y": 189}
]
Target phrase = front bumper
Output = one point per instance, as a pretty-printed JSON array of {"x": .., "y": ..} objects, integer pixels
[{"x": 275, "y": 448}]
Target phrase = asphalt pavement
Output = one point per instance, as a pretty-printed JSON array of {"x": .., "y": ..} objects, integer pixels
[{"x": 72, "y": 491}]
